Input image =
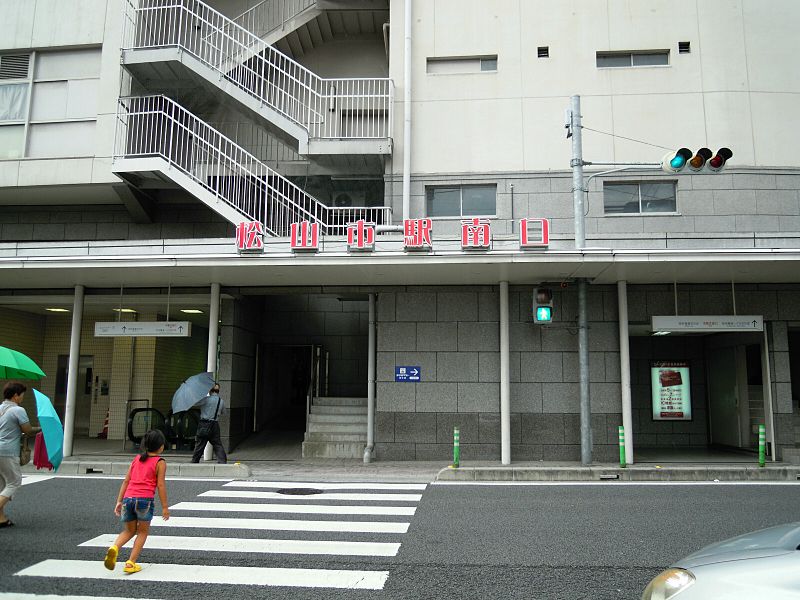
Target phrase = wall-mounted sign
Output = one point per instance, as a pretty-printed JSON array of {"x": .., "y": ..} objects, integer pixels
[
  {"x": 361, "y": 236},
  {"x": 417, "y": 234},
  {"x": 534, "y": 233},
  {"x": 143, "y": 329},
  {"x": 250, "y": 236},
  {"x": 708, "y": 323},
  {"x": 305, "y": 236},
  {"x": 672, "y": 400},
  {"x": 476, "y": 234},
  {"x": 407, "y": 373}
]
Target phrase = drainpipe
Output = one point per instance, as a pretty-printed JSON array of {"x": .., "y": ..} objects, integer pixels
[
  {"x": 368, "y": 451},
  {"x": 72, "y": 372},
  {"x": 407, "y": 112},
  {"x": 211, "y": 357}
]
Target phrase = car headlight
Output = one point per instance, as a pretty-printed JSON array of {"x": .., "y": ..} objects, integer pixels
[{"x": 668, "y": 584}]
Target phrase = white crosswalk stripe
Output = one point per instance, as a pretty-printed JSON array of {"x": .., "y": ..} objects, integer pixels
[
  {"x": 219, "y": 544},
  {"x": 317, "y": 509},
  {"x": 278, "y": 496},
  {"x": 357, "y": 509},
  {"x": 223, "y": 574},
  {"x": 283, "y": 525}
]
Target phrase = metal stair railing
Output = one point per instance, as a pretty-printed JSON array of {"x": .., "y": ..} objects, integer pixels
[
  {"x": 342, "y": 108},
  {"x": 151, "y": 126},
  {"x": 269, "y": 15}
]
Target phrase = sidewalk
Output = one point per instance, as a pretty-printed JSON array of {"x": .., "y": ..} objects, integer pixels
[{"x": 428, "y": 471}]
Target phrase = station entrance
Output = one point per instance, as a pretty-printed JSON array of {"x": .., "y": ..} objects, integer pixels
[{"x": 715, "y": 417}]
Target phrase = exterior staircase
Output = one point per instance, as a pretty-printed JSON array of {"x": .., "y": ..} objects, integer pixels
[
  {"x": 337, "y": 428},
  {"x": 344, "y": 116},
  {"x": 159, "y": 139}
]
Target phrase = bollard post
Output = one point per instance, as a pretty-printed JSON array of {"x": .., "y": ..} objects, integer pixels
[
  {"x": 622, "y": 463},
  {"x": 456, "y": 447},
  {"x": 762, "y": 445}
]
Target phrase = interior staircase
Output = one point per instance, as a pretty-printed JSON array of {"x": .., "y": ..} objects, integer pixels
[{"x": 337, "y": 428}]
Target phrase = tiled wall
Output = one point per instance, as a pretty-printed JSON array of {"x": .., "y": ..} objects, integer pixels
[
  {"x": 109, "y": 222},
  {"x": 453, "y": 335}
]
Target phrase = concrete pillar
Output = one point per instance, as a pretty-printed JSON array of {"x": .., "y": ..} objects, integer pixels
[
  {"x": 72, "y": 372},
  {"x": 505, "y": 378},
  {"x": 211, "y": 358},
  {"x": 625, "y": 369}
]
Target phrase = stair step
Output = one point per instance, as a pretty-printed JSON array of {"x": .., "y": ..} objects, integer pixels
[
  {"x": 333, "y": 450},
  {"x": 318, "y": 436},
  {"x": 339, "y": 401},
  {"x": 338, "y": 410},
  {"x": 337, "y": 428},
  {"x": 317, "y": 418}
]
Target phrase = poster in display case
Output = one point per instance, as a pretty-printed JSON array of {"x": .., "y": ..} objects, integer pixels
[{"x": 672, "y": 400}]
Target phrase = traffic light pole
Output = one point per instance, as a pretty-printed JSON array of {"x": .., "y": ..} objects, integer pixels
[{"x": 580, "y": 242}]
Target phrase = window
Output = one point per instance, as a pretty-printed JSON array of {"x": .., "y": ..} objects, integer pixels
[
  {"x": 461, "y": 64},
  {"x": 461, "y": 201},
  {"x": 648, "y": 58},
  {"x": 641, "y": 197},
  {"x": 14, "y": 92},
  {"x": 48, "y": 103}
]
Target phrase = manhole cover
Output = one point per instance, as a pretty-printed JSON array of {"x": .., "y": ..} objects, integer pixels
[{"x": 299, "y": 491}]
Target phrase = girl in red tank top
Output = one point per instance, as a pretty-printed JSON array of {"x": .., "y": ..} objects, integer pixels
[{"x": 136, "y": 500}]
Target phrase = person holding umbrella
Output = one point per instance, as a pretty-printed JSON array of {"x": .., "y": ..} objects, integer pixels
[
  {"x": 13, "y": 423},
  {"x": 208, "y": 429}
]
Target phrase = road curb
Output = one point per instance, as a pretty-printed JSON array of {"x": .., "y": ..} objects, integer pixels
[
  {"x": 101, "y": 467},
  {"x": 609, "y": 473}
]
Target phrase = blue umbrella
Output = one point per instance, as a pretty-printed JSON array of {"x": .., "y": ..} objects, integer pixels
[
  {"x": 191, "y": 391},
  {"x": 52, "y": 430}
]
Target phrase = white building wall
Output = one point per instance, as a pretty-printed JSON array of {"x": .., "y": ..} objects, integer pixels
[{"x": 728, "y": 91}]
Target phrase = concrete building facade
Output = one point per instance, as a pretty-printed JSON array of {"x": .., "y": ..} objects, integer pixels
[{"x": 137, "y": 136}]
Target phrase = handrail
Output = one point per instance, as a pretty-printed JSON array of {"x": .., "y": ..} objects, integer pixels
[
  {"x": 276, "y": 16},
  {"x": 340, "y": 108},
  {"x": 158, "y": 126}
]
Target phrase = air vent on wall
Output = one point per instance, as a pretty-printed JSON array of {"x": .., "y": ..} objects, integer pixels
[
  {"x": 347, "y": 199},
  {"x": 14, "y": 66},
  {"x": 543, "y": 52}
]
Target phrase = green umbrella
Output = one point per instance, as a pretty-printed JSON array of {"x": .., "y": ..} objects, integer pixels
[{"x": 15, "y": 365}]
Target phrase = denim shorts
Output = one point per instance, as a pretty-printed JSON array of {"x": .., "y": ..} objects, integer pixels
[{"x": 137, "y": 509}]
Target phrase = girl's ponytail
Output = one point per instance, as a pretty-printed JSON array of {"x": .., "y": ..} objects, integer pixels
[{"x": 151, "y": 442}]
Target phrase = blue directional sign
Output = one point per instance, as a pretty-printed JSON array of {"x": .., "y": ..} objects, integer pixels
[{"x": 407, "y": 373}]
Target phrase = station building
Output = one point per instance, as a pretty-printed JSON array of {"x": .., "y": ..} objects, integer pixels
[{"x": 344, "y": 208}]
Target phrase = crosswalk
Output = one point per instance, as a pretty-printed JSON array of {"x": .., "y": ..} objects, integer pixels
[{"x": 308, "y": 520}]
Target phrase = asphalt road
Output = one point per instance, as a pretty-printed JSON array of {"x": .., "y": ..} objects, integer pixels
[{"x": 464, "y": 541}]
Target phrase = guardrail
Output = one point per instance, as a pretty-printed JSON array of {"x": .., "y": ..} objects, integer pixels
[
  {"x": 341, "y": 108},
  {"x": 150, "y": 126},
  {"x": 269, "y": 15}
]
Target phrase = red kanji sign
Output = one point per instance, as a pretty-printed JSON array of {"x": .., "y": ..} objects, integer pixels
[
  {"x": 249, "y": 236},
  {"x": 305, "y": 236},
  {"x": 417, "y": 234},
  {"x": 361, "y": 235},
  {"x": 475, "y": 233},
  {"x": 534, "y": 233}
]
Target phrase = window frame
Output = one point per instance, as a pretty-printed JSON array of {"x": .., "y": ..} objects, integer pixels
[
  {"x": 638, "y": 183},
  {"x": 25, "y": 121},
  {"x": 630, "y": 54},
  {"x": 430, "y": 189}
]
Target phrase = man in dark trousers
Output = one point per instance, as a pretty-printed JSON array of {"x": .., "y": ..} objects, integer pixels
[{"x": 211, "y": 407}]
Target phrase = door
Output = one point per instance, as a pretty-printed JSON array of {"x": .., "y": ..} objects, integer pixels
[
  {"x": 84, "y": 392},
  {"x": 723, "y": 396}
]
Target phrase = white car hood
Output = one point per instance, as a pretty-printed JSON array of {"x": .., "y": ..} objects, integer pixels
[{"x": 773, "y": 541}]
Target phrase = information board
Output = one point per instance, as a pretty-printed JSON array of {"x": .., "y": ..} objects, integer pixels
[{"x": 672, "y": 400}]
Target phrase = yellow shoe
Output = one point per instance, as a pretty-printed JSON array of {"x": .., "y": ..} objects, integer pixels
[
  {"x": 111, "y": 558},
  {"x": 132, "y": 567}
]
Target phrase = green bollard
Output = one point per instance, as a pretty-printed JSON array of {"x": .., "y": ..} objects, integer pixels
[
  {"x": 622, "y": 463},
  {"x": 456, "y": 447},
  {"x": 762, "y": 445}
]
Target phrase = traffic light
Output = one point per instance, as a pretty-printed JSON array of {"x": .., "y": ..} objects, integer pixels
[
  {"x": 543, "y": 306},
  {"x": 723, "y": 155},
  {"x": 675, "y": 162}
]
